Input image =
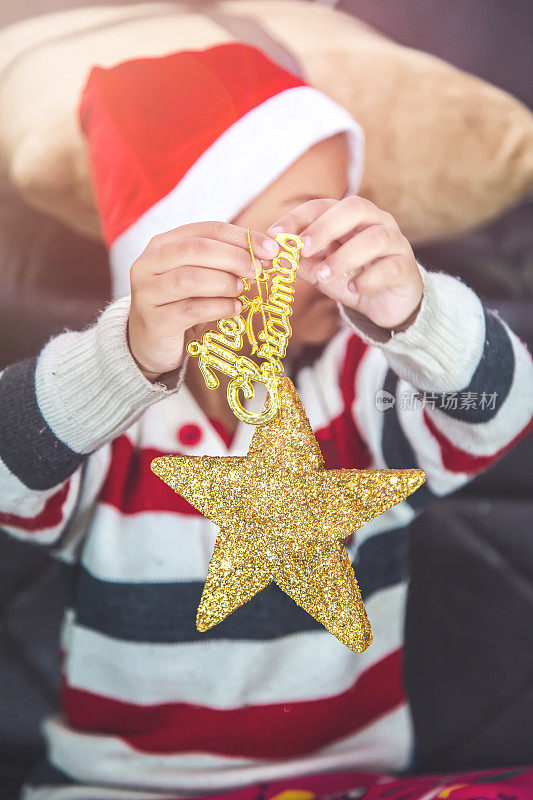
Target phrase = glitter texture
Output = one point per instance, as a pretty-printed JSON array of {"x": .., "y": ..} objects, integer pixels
[{"x": 282, "y": 517}]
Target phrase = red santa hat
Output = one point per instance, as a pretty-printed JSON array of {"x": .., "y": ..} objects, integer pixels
[{"x": 196, "y": 135}]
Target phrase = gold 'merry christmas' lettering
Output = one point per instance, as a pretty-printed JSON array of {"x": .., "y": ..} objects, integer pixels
[{"x": 218, "y": 349}]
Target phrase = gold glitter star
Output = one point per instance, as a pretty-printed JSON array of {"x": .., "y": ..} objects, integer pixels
[{"x": 282, "y": 517}]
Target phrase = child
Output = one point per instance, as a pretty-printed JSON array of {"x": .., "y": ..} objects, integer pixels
[{"x": 186, "y": 153}]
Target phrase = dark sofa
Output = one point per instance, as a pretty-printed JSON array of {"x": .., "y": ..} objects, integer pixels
[{"x": 469, "y": 629}]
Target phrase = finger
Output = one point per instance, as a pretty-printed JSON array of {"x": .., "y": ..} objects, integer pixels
[
  {"x": 298, "y": 218},
  {"x": 264, "y": 246},
  {"x": 184, "y": 314},
  {"x": 201, "y": 252},
  {"x": 307, "y": 268},
  {"x": 385, "y": 273},
  {"x": 190, "y": 281},
  {"x": 340, "y": 219},
  {"x": 295, "y": 221},
  {"x": 365, "y": 247}
]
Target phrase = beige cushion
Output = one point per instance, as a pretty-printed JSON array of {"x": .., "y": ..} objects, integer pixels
[{"x": 444, "y": 150}]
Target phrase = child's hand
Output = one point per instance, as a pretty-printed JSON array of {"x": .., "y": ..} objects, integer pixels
[
  {"x": 356, "y": 253},
  {"x": 184, "y": 279}
]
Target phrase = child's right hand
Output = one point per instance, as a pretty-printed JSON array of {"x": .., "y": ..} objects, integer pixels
[{"x": 185, "y": 278}]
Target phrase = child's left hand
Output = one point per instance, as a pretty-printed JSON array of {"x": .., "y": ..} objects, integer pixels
[{"x": 355, "y": 253}]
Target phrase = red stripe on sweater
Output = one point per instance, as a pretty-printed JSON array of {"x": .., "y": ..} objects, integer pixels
[
  {"x": 260, "y": 731},
  {"x": 225, "y": 434},
  {"x": 50, "y": 515},
  {"x": 132, "y": 487},
  {"x": 340, "y": 441},
  {"x": 456, "y": 460}
]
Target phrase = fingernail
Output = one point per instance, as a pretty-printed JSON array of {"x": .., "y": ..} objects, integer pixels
[
  {"x": 271, "y": 246},
  {"x": 324, "y": 272},
  {"x": 352, "y": 287},
  {"x": 275, "y": 230},
  {"x": 306, "y": 249},
  {"x": 240, "y": 285},
  {"x": 238, "y": 305}
]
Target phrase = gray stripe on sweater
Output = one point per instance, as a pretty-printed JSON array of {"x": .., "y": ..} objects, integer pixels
[
  {"x": 166, "y": 611},
  {"x": 490, "y": 384},
  {"x": 28, "y": 446},
  {"x": 397, "y": 449}
]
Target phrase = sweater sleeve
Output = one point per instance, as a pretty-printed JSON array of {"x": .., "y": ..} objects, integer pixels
[
  {"x": 57, "y": 411},
  {"x": 450, "y": 395}
]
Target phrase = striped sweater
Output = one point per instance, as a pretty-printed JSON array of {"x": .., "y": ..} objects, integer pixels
[{"x": 149, "y": 706}]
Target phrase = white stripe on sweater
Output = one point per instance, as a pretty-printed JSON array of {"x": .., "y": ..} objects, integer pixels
[
  {"x": 178, "y": 546},
  {"x": 94, "y": 476},
  {"x": 47, "y": 792},
  {"x": 149, "y": 546},
  {"x": 396, "y": 517},
  {"x": 46, "y": 535},
  {"x": 384, "y": 744},
  {"x": 248, "y": 672},
  {"x": 17, "y": 499},
  {"x": 162, "y": 422},
  {"x": 368, "y": 418}
]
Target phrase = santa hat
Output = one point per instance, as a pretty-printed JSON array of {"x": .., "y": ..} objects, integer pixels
[{"x": 194, "y": 136}]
